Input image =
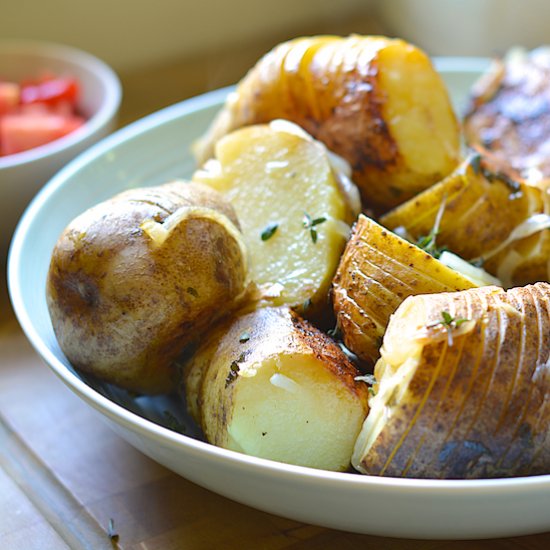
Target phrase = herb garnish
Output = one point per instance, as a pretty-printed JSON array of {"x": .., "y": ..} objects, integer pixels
[
  {"x": 309, "y": 223},
  {"x": 192, "y": 291},
  {"x": 269, "y": 231},
  {"x": 113, "y": 535},
  {"x": 427, "y": 242},
  {"x": 449, "y": 323}
]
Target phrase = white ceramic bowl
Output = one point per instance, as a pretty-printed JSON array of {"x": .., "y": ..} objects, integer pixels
[
  {"x": 149, "y": 152},
  {"x": 23, "y": 174}
]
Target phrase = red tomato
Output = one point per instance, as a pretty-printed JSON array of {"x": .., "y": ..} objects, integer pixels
[
  {"x": 23, "y": 131},
  {"x": 50, "y": 91},
  {"x": 9, "y": 96}
]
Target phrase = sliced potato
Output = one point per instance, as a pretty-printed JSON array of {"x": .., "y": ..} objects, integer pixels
[
  {"x": 462, "y": 387},
  {"x": 293, "y": 210},
  {"x": 134, "y": 279},
  {"x": 482, "y": 211},
  {"x": 270, "y": 385},
  {"x": 375, "y": 101},
  {"x": 377, "y": 271}
]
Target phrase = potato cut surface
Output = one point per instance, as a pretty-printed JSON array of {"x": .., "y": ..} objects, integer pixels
[
  {"x": 292, "y": 211},
  {"x": 283, "y": 391}
]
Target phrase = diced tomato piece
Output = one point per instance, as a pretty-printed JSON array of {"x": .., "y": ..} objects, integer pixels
[
  {"x": 51, "y": 91},
  {"x": 9, "y": 96},
  {"x": 21, "y": 132}
]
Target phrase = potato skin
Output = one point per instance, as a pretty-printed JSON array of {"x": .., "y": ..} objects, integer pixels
[
  {"x": 124, "y": 306},
  {"x": 508, "y": 116},
  {"x": 476, "y": 408},
  {"x": 482, "y": 208},
  {"x": 241, "y": 347},
  {"x": 377, "y": 271},
  {"x": 349, "y": 94}
]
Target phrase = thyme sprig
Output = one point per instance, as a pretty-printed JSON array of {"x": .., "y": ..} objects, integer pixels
[
  {"x": 449, "y": 323},
  {"x": 309, "y": 223},
  {"x": 428, "y": 242}
]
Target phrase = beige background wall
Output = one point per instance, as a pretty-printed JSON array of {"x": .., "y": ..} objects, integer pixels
[{"x": 130, "y": 33}]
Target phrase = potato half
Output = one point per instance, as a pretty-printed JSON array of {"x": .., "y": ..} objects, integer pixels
[
  {"x": 136, "y": 278},
  {"x": 463, "y": 387},
  {"x": 292, "y": 205},
  {"x": 377, "y": 271},
  {"x": 375, "y": 101},
  {"x": 486, "y": 216},
  {"x": 269, "y": 384}
]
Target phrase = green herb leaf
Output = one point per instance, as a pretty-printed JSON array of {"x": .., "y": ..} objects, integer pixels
[
  {"x": 475, "y": 163},
  {"x": 449, "y": 323},
  {"x": 309, "y": 223},
  {"x": 269, "y": 231}
]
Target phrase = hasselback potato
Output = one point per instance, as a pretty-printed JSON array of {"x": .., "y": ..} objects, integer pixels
[
  {"x": 377, "y": 271},
  {"x": 377, "y": 102},
  {"x": 463, "y": 387}
]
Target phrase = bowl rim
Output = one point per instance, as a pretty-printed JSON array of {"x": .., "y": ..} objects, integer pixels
[
  {"x": 202, "y": 449},
  {"x": 107, "y": 110}
]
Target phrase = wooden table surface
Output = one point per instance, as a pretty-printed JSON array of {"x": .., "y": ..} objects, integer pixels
[{"x": 64, "y": 475}]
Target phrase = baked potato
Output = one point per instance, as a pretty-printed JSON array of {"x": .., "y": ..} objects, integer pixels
[
  {"x": 136, "y": 278},
  {"x": 294, "y": 207},
  {"x": 487, "y": 218},
  {"x": 375, "y": 101},
  {"x": 377, "y": 271},
  {"x": 508, "y": 116},
  {"x": 269, "y": 384},
  {"x": 462, "y": 387}
]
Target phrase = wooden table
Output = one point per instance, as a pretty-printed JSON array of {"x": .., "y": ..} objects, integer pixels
[{"x": 64, "y": 475}]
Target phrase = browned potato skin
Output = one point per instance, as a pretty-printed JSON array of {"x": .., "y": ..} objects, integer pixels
[
  {"x": 481, "y": 210},
  {"x": 508, "y": 116},
  {"x": 477, "y": 408},
  {"x": 332, "y": 87},
  {"x": 377, "y": 271},
  {"x": 122, "y": 308},
  {"x": 270, "y": 332}
]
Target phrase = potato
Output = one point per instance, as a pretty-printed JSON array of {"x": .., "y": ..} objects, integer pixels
[
  {"x": 375, "y": 101},
  {"x": 378, "y": 270},
  {"x": 136, "y": 278},
  {"x": 462, "y": 387},
  {"x": 269, "y": 384},
  {"x": 482, "y": 211},
  {"x": 508, "y": 115},
  {"x": 293, "y": 209}
]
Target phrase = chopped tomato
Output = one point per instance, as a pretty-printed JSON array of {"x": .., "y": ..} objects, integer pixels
[
  {"x": 21, "y": 132},
  {"x": 50, "y": 91},
  {"x": 9, "y": 96},
  {"x": 35, "y": 112}
]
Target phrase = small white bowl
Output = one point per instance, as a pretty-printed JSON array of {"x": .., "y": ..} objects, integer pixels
[{"x": 23, "y": 174}]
